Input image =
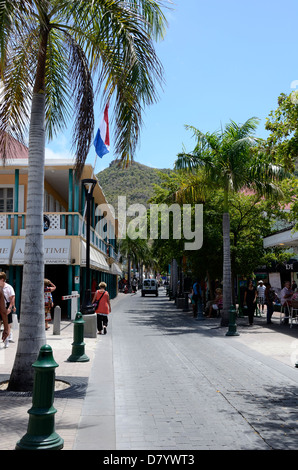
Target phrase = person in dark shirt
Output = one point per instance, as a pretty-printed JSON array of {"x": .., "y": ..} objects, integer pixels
[{"x": 250, "y": 299}]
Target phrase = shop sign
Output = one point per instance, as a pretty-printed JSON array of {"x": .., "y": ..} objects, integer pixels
[
  {"x": 56, "y": 251},
  {"x": 289, "y": 267},
  {"x": 5, "y": 250}
]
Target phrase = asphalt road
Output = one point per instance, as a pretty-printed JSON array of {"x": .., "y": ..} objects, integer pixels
[{"x": 162, "y": 380}]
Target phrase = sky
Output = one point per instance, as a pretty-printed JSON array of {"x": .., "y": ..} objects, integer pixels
[{"x": 223, "y": 60}]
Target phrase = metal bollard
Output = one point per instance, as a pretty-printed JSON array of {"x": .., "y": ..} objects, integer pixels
[
  {"x": 232, "y": 324},
  {"x": 78, "y": 345},
  {"x": 57, "y": 320},
  {"x": 186, "y": 302},
  {"x": 41, "y": 433}
]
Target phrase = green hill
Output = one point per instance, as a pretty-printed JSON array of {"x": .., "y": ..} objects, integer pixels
[{"x": 135, "y": 182}]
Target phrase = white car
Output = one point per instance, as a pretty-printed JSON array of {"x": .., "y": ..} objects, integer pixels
[{"x": 149, "y": 286}]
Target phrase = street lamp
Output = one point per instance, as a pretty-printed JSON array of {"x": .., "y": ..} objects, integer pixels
[{"x": 87, "y": 307}]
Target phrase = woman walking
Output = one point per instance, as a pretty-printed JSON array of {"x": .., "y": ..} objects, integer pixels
[{"x": 103, "y": 308}]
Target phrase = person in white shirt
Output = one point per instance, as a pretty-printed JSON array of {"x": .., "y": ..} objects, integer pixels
[
  {"x": 261, "y": 295},
  {"x": 9, "y": 297},
  {"x": 285, "y": 299}
]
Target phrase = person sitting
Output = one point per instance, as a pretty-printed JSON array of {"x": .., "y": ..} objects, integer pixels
[
  {"x": 216, "y": 304},
  {"x": 295, "y": 296}
]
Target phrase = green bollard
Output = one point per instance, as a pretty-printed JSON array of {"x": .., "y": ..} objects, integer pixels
[
  {"x": 232, "y": 324},
  {"x": 41, "y": 433},
  {"x": 78, "y": 345}
]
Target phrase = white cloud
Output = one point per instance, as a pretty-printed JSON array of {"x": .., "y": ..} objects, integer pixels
[{"x": 60, "y": 155}]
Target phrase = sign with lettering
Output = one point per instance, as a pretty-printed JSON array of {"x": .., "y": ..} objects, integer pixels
[
  {"x": 56, "y": 251},
  {"x": 5, "y": 250}
]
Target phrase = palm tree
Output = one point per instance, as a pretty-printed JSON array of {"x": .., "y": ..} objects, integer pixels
[
  {"x": 51, "y": 52},
  {"x": 135, "y": 250},
  {"x": 229, "y": 162}
]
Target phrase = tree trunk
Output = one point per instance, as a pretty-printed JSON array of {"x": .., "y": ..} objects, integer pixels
[
  {"x": 227, "y": 286},
  {"x": 129, "y": 272},
  {"x": 32, "y": 316}
]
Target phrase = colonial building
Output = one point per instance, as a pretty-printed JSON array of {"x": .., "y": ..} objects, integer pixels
[{"x": 64, "y": 232}]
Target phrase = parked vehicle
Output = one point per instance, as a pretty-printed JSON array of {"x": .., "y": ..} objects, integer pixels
[{"x": 150, "y": 286}]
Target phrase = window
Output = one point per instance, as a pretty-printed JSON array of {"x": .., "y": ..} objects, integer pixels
[{"x": 6, "y": 199}]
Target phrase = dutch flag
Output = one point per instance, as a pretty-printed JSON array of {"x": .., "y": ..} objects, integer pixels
[{"x": 102, "y": 139}]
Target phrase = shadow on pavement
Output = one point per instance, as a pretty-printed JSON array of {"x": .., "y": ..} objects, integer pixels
[{"x": 161, "y": 314}]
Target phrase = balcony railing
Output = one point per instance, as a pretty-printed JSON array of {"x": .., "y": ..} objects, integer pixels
[{"x": 61, "y": 224}]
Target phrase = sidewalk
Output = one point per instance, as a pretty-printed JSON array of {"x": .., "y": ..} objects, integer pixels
[
  {"x": 278, "y": 343},
  {"x": 68, "y": 400}
]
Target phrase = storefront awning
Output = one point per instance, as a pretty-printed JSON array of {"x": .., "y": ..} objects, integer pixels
[
  {"x": 115, "y": 269},
  {"x": 5, "y": 251},
  {"x": 56, "y": 251},
  {"x": 97, "y": 259}
]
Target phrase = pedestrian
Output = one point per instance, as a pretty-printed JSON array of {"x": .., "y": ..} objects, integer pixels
[
  {"x": 285, "y": 300},
  {"x": 261, "y": 295},
  {"x": 250, "y": 299},
  {"x": 269, "y": 299},
  {"x": 103, "y": 308},
  {"x": 3, "y": 315},
  {"x": 49, "y": 287},
  {"x": 9, "y": 298},
  {"x": 134, "y": 283},
  {"x": 216, "y": 304},
  {"x": 196, "y": 298}
]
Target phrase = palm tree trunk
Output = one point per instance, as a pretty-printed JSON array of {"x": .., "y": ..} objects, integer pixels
[
  {"x": 227, "y": 286},
  {"x": 32, "y": 317},
  {"x": 129, "y": 272}
]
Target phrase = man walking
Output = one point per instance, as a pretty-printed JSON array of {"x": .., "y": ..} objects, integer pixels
[{"x": 261, "y": 295}]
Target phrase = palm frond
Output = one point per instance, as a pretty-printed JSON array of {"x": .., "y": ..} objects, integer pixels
[
  {"x": 16, "y": 92},
  {"x": 120, "y": 47},
  {"x": 111, "y": 43},
  {"x": 81, "y": 80},
  {"x": 194, "y": 188},
  {"x": 238, "y": 132},
  {"x": 153, "y": 15},
  {"x": 186, "y": 161},
  {"x": 11, "y": 20},
  {"x": 58, "y": 96}
]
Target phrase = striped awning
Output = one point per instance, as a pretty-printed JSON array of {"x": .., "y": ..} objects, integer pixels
[{"x": 97, "y": 259}]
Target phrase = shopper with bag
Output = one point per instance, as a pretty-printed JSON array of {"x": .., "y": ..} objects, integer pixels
[{"x": 101, "y": 299}]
